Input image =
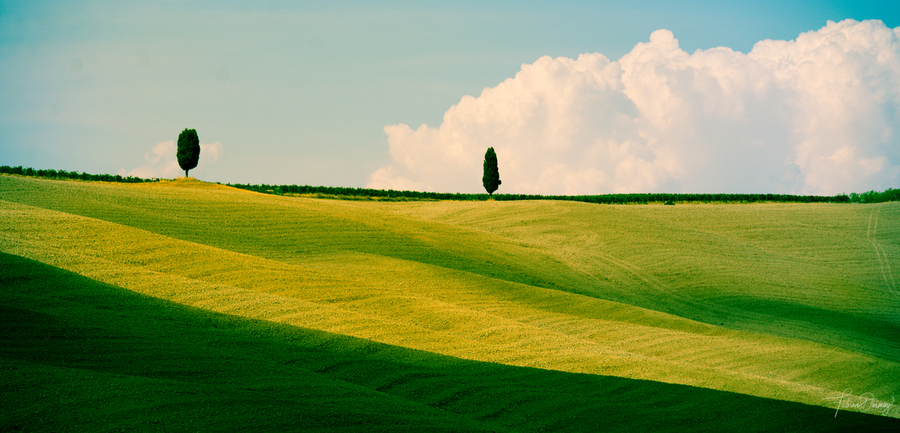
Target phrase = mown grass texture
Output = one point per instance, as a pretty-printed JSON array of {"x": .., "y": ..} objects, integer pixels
[{"x": 629, "y": 292}]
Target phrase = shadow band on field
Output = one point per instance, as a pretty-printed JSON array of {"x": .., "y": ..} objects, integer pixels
[
  {"x": 80, "y": 355},
  {"x": 869, "y": 335}
]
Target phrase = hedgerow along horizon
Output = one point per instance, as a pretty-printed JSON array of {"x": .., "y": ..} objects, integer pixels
[{"x": 354, "y": 193}]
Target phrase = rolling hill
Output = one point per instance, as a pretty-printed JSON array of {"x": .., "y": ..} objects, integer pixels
[{"x": 186, "y": 305}]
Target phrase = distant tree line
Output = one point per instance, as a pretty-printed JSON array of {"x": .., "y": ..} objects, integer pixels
[
  {"x": 357, "y": 193},
  {"x": 889, "y": 194},
  {"x": 670, "y": 198},
  {"x": 62, "y": 174},
  {"x": 641, "y": 198},
  {"x": 380, "y": 194}
]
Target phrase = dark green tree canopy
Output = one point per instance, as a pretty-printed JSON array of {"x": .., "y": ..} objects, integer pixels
[
  {"x": 491, "y": 177},
  {"x": 188, "y": 150}
]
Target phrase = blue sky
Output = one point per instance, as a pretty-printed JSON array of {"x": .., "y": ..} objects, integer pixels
[{"x": 302, "y": 92}]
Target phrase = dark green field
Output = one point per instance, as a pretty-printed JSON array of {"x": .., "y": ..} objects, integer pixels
[{"x": 183, "y": 306}]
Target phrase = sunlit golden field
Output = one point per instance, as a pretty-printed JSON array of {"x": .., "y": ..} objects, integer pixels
[{"x": 465, "y": 316}]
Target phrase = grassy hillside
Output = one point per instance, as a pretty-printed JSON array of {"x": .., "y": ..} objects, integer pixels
[
  {"x": 748, "y": 305},
  {"x": 83, "y": 355}
]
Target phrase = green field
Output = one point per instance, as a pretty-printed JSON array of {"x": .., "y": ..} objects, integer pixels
[{"x": 187, "y": 306}]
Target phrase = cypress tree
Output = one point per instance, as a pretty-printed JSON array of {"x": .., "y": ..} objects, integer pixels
[
  {"x": 188, "y": 150},
  {"x": 491, "y": 177}
]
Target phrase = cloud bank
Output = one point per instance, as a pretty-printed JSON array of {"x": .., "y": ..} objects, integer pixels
[
  {"x": 815, "y": 115},
  {"x": 162, "y": 162}
]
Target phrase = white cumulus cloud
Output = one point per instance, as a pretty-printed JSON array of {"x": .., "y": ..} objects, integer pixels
[
  {"x": 162, "y": 162},
  {"x": 818, "y": 114}
]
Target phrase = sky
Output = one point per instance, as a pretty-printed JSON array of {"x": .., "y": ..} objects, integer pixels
[{"x": 580, "y": 97}]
